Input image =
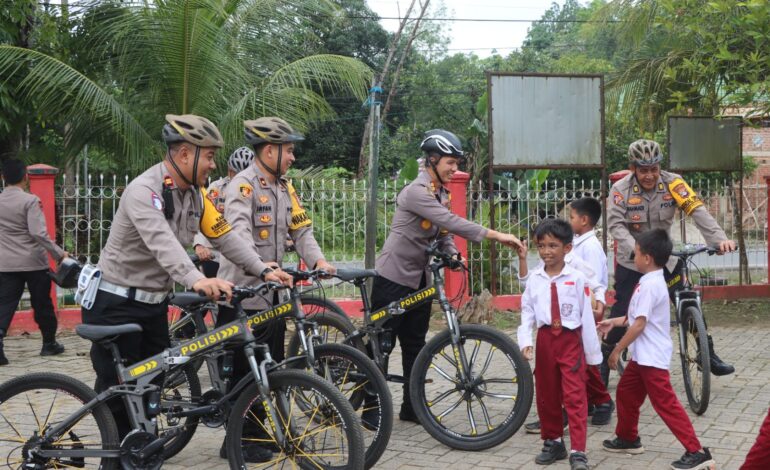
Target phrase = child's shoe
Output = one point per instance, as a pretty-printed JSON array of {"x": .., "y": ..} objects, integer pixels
[
  {"x": 694, "y": 461},
  {"x": 603, "y": 413},
  {"x": 578, "y": 461},
  {"x": 552, "y": 451},
  {"x": 624, "y": 446}
]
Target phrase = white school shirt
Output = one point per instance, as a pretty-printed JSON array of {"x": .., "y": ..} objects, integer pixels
[
  {"x": 590, "y": 251},
  {"x": 575, "y": 308},
  {"x": 650, "y": 299}
]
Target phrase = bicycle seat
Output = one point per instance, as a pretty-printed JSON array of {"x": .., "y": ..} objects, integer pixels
[
  {"x": 355, "y": 274},
  {"x": 99, "y": 332},
  {"x": 186, "y": 299}
]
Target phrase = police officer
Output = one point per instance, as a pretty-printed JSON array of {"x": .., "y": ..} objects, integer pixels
[
  {"x": 422, "y": 216},
  {"x": 647, "y": 199},
  {"x": 23, "y": 244},
  {"x": 263, "y": 204},
  {"x": 159, "y": 214},
  {"x": 239, "y": 160}
]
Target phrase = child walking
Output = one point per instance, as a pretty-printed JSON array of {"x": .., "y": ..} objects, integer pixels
[
  {"x": 557, "y": 301},
  {"x": 647, "y": 374}
]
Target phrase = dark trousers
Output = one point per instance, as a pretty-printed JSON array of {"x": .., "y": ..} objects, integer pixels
[
  {"x": 39, "y": 285},
  {"x": 111, "y": 309},
  {"x": 410, "y": 328}
]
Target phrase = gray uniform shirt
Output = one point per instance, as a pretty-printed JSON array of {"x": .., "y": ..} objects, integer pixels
[
  {"x": 422, "y": 216},
  {"x": 24, "y": 237},
  {"x": 216, "y": 194},
  {"x": 146, "y": 251},
  {"x": 262, "y": 212},
  {"x": 631, "y": 210}
]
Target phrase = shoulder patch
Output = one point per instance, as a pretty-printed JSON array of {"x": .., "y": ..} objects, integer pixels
[
  {"x": 617, "y": 198},
  {"x": 245, "y": 190},
  {"x": 685, "y": 197},
  {"x": 157, "y": 202}
]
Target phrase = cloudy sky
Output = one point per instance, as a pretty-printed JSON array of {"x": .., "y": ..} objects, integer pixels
[{"x": 478, "y": 37}]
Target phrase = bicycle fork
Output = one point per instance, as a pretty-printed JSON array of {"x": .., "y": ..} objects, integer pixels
[
  {"x": 463, "y": 369},
  {"x": 260, "y": 376}
]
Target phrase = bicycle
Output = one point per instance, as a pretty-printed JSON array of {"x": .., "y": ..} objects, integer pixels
[
  {"x": 68, "y": 424},
  {"x": 467, "y": 352},
  {"x": 350, "y": 370}
]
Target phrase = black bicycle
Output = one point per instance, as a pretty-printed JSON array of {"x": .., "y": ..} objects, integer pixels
[
  {"x": 50, "y": 420},
  {"x": 350, "y": 370},
  {"x": 471, "y": 386}
]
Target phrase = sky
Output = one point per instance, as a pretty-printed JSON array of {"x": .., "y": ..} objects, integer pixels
[{"x": 477, "y": 37}]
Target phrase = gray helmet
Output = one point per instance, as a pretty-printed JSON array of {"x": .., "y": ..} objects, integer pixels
[
  {"x": 271, "y": 130},
  {"x": 192, "y": 129},
  {"x": 644, "y": 152},
  {"x": 240, "y": 159},
  {"x": 443, "y": 143}
]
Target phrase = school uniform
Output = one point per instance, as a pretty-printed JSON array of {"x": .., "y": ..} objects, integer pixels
[
  {"x": 647, "y": 372},
  {"x": 560, "y": 308}
]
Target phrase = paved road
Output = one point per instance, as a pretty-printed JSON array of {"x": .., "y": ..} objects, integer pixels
[{"x": 729, "y": 427}]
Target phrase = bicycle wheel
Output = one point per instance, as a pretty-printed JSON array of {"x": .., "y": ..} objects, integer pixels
[
  {"x": 31, "y": 405},
  {"x": 361, "y": 382},
  {"x": 181, "y": 390},
  {"x": 320, "y": 426},
  {"x": 694, "y": 352},
  {"x": 332, "y": 327},
  {"x": 487, "y": 408}
]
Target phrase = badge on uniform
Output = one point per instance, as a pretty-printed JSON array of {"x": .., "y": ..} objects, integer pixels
[
  {"x": 667, "y": 197},
  {"x": 262, "y": 181},
  {"x": 636, "y": 227},
  {"x": 636, "y": 217},
  {"x": 265, "y": 218},
  {"x": 617, "y": 198},
  {"x": 263, "y": 199},
  {"x": 634, "y": 200},
  {"x": 263, "y": 234},
  {"x": 245, "y": 190},
  {"x": 635, "y": 189},
  {"x": 660, "y": 187},
  {"x": 157, "y": 202},
  {"x": 213, "y": 194},
  {"x": 426, "y": 224},
  {"x": 432, "y": 187}
]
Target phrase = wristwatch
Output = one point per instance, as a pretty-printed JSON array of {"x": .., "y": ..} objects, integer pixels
[{"x": 265, "y": 272}]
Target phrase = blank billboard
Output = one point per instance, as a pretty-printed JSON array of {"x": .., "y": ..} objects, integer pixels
[
  {"x": 697, "y": 143},
  {"x": 545, "y": 121}
]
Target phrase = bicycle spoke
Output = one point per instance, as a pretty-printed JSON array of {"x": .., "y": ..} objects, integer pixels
[
  {"x": 442, "y": 373},
  {"x": 475, "y": 353},
  {"x": 500, "y": 381},
  {"x": 441, "y": 397},
  {"x": 449, "y": 410},
  {"x": 488, "y": 361},
  {"x": 498, "y": 395},
  {"x": 448, "y": 358},
  {"x": 470, "y": 418},
  {"x": 485, "y": 412}
]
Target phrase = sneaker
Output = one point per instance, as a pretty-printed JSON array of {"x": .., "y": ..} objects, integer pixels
[
  {"x": 407, "y": 413},
  {"x": 51, "y": 349},
  {"x": 623, "y": 446},
  {"x": 603, "y": 413},
  {"x": 694, "y": 461},
  {"x": 370, "y": 418},
  {"x": 534, "y": 427},
  {"x": 252, "y": 453},
  {"x": 552, "y": 451},
  {"x": 578, "y": 461}
]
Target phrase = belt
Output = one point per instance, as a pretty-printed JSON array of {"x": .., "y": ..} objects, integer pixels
[{"x": 132, "y": 293}]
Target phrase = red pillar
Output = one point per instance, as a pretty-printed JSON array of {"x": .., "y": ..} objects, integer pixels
[
  {"x": 458, "y": 186},
  {"x": 614, "y": 178},
  {"x": 767, "y": 182},
  {"x": 41, "y": 184}
]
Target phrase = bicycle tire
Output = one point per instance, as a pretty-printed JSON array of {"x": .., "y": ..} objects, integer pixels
[
  {"x": 509, "y": 421},
  {"x": 335, "y": 328},
  {"x": 282, "y": 383},
  {"x": 360, "y": 377},
  {"x": 37, "y": 384},
  {"x": 189, "y": 375},
  {"x": 696, "y": 361}
]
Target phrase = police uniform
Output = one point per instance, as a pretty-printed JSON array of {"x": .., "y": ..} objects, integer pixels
[
  {"x": 24, "y": 242},
  {"x": 144, "y": 256},
  {"x": 216, "y": 194},
  {"x": 632, "y": 211},
  {"x": 422, "y": 216}
]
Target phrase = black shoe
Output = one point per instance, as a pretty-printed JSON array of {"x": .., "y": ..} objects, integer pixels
[
  {"x": 370, "y": 418},
  {"x": 623, "y": 446},
  {"x": 252, "y": 453},
  {"x": 603, "y": 413},
  {"x": 718, "y": 366},
  {"x": 407, "y": 413},
  {"x": 694, "y": 461},
  {"x": 51, "y": 349},
  {"x": 578, "y": 461},
  {"x": 552, "y": 451},
  {"x": 591, "y": 409},
  {"x": 3, "y": 359}
]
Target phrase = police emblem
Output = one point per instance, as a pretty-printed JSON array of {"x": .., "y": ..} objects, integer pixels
[
  {"x": 157, "y": 202},
  {"x": 681, "y": 190},
  {"x": 617, "y": 198},
  {"x": 265, "y": 218},
  {"x": 264, "y": 234},
  {"x": 636, "y": 217},
  {"x": 667, "y": 197},
  {"x": 426, "y": 224},
  {"x": 263, "y": 199},
  {"x": 634, "y": 200},
  {"x": 245, "y": 190}
]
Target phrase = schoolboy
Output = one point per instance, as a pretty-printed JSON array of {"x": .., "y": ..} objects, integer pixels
[
  {"x": 557, "y": 301},
  {"x": 647, "y": 372}
]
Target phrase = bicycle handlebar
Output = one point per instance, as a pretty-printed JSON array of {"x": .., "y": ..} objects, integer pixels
[
  {"x": 245, "y": 292},
  {"x": 449, "y": 260},
  {"x": 692, "y": 250}
]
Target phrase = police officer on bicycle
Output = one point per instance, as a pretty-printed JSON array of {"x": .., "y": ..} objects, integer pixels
[
  {"x": 160, "y": 212},
  {"x": 647, "y": 199},
  {"x": 422, "y": 216}
]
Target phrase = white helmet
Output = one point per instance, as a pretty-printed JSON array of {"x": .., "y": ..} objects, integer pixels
[{"x": 240, "y": 159}]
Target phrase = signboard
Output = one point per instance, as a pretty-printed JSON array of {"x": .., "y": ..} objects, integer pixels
[{"x": 704, "y": 143}]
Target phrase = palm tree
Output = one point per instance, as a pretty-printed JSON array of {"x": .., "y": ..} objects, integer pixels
[{"x": 227, "y": 60}]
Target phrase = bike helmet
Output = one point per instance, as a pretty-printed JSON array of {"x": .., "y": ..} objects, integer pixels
[
  {"x": 240, "y": 159},
  {"x": 443, "y": 143},
  {"x": 271, "y": 130},
  {"x": 192, "y": 129},
  {"x": 644, "y": 152}
]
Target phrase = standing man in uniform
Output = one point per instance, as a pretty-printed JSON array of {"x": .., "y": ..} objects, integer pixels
[
  {"x": 23, "y": 245},
  {"x": 261, "y": 203},
  {"x": 422, "y": 216},
  {"x": 159, "y": 214},
  {"x": 647, "y": 199},
  {"x": 239, "y": 160}
]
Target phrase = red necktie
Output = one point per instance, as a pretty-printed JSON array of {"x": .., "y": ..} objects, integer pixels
[{"x": 555, "y": 314}]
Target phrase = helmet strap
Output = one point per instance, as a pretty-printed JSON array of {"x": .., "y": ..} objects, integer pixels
[
  {"x": 273, "y": 171},
  {"x": 435, "y": 169},
  {"x": 179, "y": 172}
]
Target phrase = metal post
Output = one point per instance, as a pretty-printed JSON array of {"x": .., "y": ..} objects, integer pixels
[{"x": 374, "y": 159}]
